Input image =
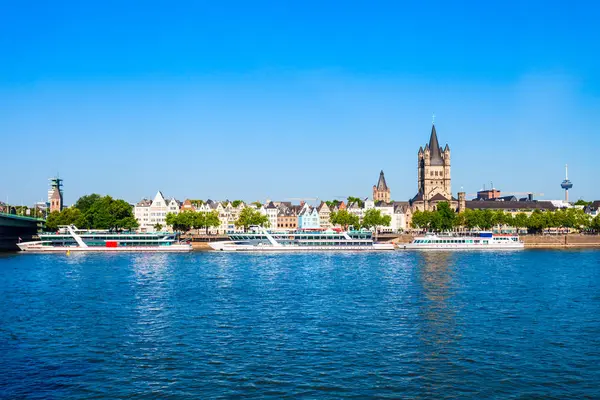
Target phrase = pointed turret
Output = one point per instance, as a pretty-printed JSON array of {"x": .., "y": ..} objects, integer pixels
[
  {"x": 421, "y": 150},
  {"x": 447, "y": 148},
  {"x": 381, "y": 185},
  {"x": 436, "y": 154}
]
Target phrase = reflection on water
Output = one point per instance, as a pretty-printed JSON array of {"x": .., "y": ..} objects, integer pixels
[{"x": 438, "y": 331}]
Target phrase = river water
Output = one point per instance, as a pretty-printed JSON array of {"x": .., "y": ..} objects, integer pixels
[{"x": 522, "y": 324}]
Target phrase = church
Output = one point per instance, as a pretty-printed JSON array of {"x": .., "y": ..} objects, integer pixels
[{"x": 434, "y": 181}]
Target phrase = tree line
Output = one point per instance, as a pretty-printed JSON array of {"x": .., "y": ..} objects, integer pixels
[
  {"x": 371, "y": 219},
  {"x": 187, "y": 220},
  {"x": 444, "y": 219},
  {"x": 95, "y": 212}
]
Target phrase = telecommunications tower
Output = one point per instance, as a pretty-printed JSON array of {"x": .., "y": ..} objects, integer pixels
[{"x": 566, "y": 184}]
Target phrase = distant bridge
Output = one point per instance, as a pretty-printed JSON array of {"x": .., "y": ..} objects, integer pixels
[{"x": 13, "y": 227}]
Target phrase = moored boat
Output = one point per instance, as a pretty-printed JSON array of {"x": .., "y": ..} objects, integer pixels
[
  {"x": 261, "y": 240},
  {"x": 70, "y": 239},
  {"x": 482, "y": 241}
]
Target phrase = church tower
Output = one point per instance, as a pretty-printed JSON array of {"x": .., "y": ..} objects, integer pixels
[
  {"x": 434, "y": 170},
  {"x": 381, "y": 192}
]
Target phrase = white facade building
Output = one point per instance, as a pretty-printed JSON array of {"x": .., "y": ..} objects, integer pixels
[{"x": 149, "y": 213}]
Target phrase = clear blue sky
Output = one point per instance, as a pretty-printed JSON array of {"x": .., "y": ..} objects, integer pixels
[{"x": 295, "y": 99}]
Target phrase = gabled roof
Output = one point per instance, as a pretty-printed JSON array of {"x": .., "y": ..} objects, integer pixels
[
  {"x": 439, "y": 197},
  {"x": 436, "y": 155},
  {"x": 270, "y": 206},
  {"x": 381, "y": 185},
  {"x": 144, "y": 203}
]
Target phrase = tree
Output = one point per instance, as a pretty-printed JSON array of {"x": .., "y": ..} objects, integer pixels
[
  {"x": 595, "y": 223},
  {"x": 582, "y": 202},
  {"x": 212, "y": 220},
  {"x": 344, "y": 219},
  {"x": 521, "y": 220},
  {"x": 373, "y": 218},
  {"x": 249, "y": 216},
  {"x": 68, "y": 216},
  {"x": 236, "y": 203},
  {"x": 171, "y": 220},
  {"x": 356, "y": 200},
  {"x": 85, "y": 202},
  {"x": 332, "y": 203},
  {"x": 446, "y": 216},
  {"x": 420, "y": 219},
  {"x": 257, "y": 204},
  {"x": 537, "y": 222},
  {"x": 158, "y": 227}
]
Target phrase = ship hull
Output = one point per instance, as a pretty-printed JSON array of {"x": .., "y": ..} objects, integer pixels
[{"x": 233, "y": 247}]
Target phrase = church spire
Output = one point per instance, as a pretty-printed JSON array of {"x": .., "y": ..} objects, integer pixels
[
  {"x": 436, "y": 155},
  {"x": 381, "y": 185}
]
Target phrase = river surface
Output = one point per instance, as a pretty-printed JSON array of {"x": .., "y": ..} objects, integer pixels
[{"x": 522, "y": 324}]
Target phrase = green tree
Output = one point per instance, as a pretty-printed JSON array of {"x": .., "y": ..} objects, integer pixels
[
  {"x": 373, "y": 218},
  {"x": 595, "y": 224},
  {"x": 158, "y": 227},
  {"x": 68, "y": 216},
  {"x": 171, "y": 220},
  {"x": 85, "y": 202},
  {"x": 236, "y": 203},
  {"x": 446, "y": 216},
  {"x": 357, "y": 200},
  {"x": 212, "y": 220},
  {"x": 332, "y": 203},
  {"x": 249, "y": 217},
  {"x": 344, "y": 219},
  {"x": 420, "y": 220},
  {"x": 521, "y": 220},
  {"x": 582, "y": 202},
  {"x": 537, "y": 222}
]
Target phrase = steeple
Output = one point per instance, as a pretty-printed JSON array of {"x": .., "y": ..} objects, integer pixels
[
  {"x": 381, "y": 185},
  {"x": 436, "y": 155}
]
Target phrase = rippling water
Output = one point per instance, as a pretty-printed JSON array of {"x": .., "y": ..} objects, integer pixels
[{"x": 208, "y": 325}]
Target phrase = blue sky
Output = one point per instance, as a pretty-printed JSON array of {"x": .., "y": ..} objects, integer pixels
[{"x": 295, "y": 99}]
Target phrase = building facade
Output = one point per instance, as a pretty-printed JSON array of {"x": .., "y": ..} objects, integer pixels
[
  {"x": 308, "y": 218},
  {"x": 149, "y": 214}
]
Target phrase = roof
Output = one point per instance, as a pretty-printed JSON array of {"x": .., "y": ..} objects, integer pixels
[
  {"x": 510, "y": 205},
  {"x": 270, "y": 205},
  {"x": 382, "y": 203},
  {"x": 439, "y": 197},
  {"x": 144, "y": 203},
  {"x": 595, "y": 204},
  {"x": 418, "y": 197},
  {"x": 55, "y": 195},
  {"x": 436, "y": 154},
  {"x": 381, "y": 185}
]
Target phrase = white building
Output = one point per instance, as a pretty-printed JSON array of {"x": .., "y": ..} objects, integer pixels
[
  {"x": 272, "y": 211},
  {"x": 150, "y": 213}
]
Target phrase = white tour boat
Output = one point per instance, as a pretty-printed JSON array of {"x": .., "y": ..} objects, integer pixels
[
  {"x": 71, "y": 239},
  {"x": 261, "y": 240},
  {"x": 483, "y": 241}
]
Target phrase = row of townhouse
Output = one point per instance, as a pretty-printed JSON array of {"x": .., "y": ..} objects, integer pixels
[{"x": 151, "y": 214}]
